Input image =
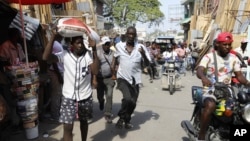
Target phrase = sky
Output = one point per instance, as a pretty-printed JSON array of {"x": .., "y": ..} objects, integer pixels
[{"x": 169, "y": 13}]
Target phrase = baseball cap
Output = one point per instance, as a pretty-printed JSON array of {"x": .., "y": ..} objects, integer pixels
[
  {"x": 245, "y": 40},
  {"x": 225, "y": 37},
  {"x": 104, "y": 40}
]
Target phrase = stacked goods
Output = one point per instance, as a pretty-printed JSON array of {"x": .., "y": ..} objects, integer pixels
[
  {"x": 72, "y": 27},
  {"x": 3, "y": 109},
  {"x": 25, "y": 85}
]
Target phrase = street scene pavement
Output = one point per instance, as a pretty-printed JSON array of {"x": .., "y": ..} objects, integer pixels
[{"x": 157, "y": 116}]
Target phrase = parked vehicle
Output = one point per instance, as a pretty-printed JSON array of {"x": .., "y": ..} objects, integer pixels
[
  {"x": 231, "y": 110},
  {"x": 164, "y": 41}
]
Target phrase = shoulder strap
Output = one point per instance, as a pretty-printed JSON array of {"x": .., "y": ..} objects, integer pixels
[
  {"x": 216, "y": 67},
  {"x": 107, "y": 59}
]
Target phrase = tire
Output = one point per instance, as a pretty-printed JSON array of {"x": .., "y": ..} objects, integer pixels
[
  {"x": 196, "y": 121},
  {"x": 171, "y": 85}
]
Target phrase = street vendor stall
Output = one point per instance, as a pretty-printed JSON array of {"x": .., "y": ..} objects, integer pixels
[{"x": 24, "y": 76}]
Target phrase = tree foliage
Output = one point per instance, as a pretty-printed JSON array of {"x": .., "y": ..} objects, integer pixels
[{"x": 128, "y": 12}]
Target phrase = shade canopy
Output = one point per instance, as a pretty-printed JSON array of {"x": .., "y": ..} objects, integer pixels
[{"x": 33, "y": 2}]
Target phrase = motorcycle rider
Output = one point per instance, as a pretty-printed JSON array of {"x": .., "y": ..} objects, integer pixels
[
  {"x": 169, "y": 54},
  {"x": 227, "y": 64}
]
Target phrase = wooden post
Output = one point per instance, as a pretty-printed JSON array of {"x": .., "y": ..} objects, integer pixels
[{"x": 248, "y": 52}]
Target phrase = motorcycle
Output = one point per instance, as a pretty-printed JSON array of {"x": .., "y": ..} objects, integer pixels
[
  {"x": 230, "y": 110},
  {"x": 170, "y": 78}
]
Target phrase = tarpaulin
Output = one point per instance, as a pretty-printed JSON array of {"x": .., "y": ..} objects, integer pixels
[{"x": 33, "y": 2}]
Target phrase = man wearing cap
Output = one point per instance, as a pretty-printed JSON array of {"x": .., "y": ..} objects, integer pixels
[
  {"x": 242, "y": 50},
  {"x": 227, "y": 64},
  {"x": 105, "y": 84}
]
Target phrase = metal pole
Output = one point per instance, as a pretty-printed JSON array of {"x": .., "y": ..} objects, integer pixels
[{"x": 23, "y": 32}]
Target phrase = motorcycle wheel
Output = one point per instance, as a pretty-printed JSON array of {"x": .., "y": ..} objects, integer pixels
[
  {"x": 171, "y": 85},
  {"x": 196, "y": 123},
  {"x": 212, "y": 136}
]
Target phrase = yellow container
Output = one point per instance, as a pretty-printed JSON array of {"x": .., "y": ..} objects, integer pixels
[{"x": 220, "y": 108}]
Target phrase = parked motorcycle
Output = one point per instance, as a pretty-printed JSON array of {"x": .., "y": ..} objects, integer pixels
[
  {"x": 231, "y": 110},
  {"x": 170, "y": 77}
]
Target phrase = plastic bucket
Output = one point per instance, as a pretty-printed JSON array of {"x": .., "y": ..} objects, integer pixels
[
  {"x": 28, "y": 109},
  {"x": 32, "y": 133}
]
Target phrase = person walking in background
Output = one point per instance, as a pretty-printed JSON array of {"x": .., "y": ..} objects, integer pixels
[
  {"x": 195, "y": 55},
  {"x": 180, "y": 50},
  {"x": 129, "y": 57},
  {"x": 79, "y": 65},
  {"x": 188, "y": 58},
  {"x": 56, "y": 80},
  {"x": 105, "y": 84},
  {"x": 155, "y": 55},
  {"x": 243, "y": 53}
]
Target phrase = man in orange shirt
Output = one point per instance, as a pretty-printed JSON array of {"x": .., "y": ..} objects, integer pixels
[{"x": 11, "y": 50}]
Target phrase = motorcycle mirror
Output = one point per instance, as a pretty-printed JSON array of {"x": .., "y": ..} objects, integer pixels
[{"x": 243, "y": 97}]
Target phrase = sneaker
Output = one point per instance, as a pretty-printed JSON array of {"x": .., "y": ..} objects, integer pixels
[
  {"x": 119, "y": 124},
  {"x": 108, "y": 118},
  {"x": 101, "y": 105},
  {"x": 151, "y": 80},
  {"x": 128, "y": 125}
]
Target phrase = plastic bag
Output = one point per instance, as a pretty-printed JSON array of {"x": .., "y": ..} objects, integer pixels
[{"x": 72, "y": 27}]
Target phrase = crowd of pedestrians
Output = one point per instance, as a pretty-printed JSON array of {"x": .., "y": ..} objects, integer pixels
[{"x": 79, "y": 68}]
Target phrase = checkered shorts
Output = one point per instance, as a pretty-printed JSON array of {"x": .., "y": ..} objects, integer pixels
[{"x": 70, "y": 108}]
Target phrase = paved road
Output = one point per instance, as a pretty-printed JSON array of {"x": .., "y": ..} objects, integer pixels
[{"x": 157, "y": 116}]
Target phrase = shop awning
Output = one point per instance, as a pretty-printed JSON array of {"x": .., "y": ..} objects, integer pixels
[{"x": 186, "y": 20}]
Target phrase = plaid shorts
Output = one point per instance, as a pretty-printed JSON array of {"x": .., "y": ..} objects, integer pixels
[{"x": 70, "y": 108}]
